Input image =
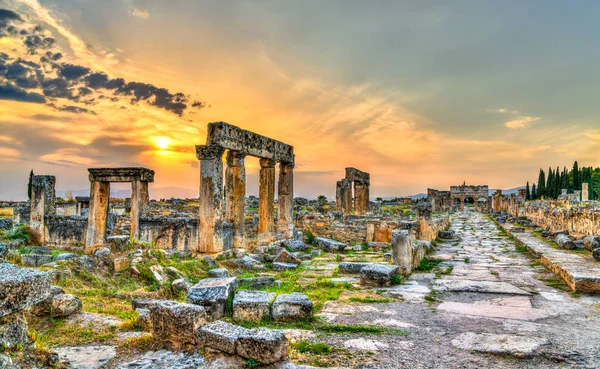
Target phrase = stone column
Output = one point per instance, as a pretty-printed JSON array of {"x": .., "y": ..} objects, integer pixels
[
  {"x": 339, "y": 196},
  {"x": 97, "y": 214},
  {"x": 140, "y": 200},
  {"x": 43, "y": 201},
  {"x": 285, "y": 200},
  {"x": 585, "y": 192},
  {"x": 210, "y": 222},
  {"x": 266, "y": 200},
  {"x": 402, "y": 251},
  {"x": 360, "y": 194},
  {"x": 367, "y": 197},
  {"x": 347, "y": 193},
  {"x": 235, "y": 195}
]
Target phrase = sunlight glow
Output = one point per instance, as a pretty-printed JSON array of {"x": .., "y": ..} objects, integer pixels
[{"x": 163, "y": 143}]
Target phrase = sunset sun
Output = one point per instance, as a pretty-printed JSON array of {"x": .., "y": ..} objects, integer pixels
[{"x": 162, "y": 143}]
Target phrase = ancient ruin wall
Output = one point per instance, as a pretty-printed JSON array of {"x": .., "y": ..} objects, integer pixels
[
  {"x": 579, "y": 221},
  {"x": 65, "y": 231}
]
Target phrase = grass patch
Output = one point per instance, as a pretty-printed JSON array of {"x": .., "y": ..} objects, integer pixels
[
  {"x": 555, "y": 282},
  {"x": 431, "y": 298},
  {"x": 310, "y": 237},
  {"x": 467, "y": 260},
  {"x": 58, "y": 332},
  {"x": 396, "y": 279},
  {"x": 371, "y": 300},
  {"x": 312, "y": 347},
  {"x": 427, "y": 265}
]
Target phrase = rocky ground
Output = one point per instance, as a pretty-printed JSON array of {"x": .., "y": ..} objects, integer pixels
[{"x": 478, "y": 301}]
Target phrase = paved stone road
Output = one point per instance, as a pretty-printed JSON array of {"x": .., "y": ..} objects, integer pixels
[{"x": 485, "y": 307}]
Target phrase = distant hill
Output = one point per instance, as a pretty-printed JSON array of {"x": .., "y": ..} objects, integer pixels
[{"x": 507, "y": 192}]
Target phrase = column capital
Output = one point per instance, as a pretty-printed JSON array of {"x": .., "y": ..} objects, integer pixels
[
  {"x": 235, "y": 158},
  {"x": 206, "y": 152},
  {"x": 267, "y": 163}
]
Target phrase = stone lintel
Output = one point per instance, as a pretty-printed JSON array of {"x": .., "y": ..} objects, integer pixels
[
  {"x": 234, "y": 138},
  {"x": 130, "y": 174},
  {"x": 356, "y": 175}
]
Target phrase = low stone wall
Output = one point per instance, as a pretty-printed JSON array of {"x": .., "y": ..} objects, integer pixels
[
  {"x": 66, "y": 208},
  {"x": 170, "y": 233},
  {"x": 578, "y": 220},
  {"x": 65, "y": 231},
  {"x": 428, "y": 230}
]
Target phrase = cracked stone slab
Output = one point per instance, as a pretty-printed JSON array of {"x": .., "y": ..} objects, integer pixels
[
  {"x": 86, "y": 357},
  {"x": 477, "y": 286},
  {"x": 364, "y": 344},
  {"x": 504, "y": 344},
  {"x": 494, "y": 311}
]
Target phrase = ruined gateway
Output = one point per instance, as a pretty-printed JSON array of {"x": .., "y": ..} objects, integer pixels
[{"x": 457, "y": 279}]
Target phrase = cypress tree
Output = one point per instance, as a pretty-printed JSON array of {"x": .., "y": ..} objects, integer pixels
[
  {"x": 557, "y": 183},
  {"x": 549, "y": 191},
  {"x": 576, "y": 177},
  {"x": 533, "y": 193},
  {"x": 29, "y": 185},
  {"x": 527, "y": 193},
  {"x": 541, "y": 189}
]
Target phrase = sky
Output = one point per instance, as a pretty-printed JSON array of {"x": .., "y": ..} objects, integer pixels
[{"x": 421, "y": 95}]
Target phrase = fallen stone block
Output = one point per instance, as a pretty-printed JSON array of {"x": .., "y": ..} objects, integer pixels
[
  {"x": 121, "y": 263},
  {"x": 292, "y": 307},
  {"x": 352, "y": 267},
  {"x": 446, "y": 235},
  {"x": 175, "y": 324},
  {"x": 219, "y": 273},
  {"x": 118, "y": 243},
  {"x": 143, "y": 319},
  {"x": 34, "y": 260},
  {"x": 564, "y": 242},
  {"x": 13, "y": 331},
  {"x": 257, "y": 283},
  {"x": 164, "y": 359},
  {"x": 283, "y": 266},
  {"x": 220, "y": 336},
  {"x": 65, "y": 305},
  {"x": 295, "y": 245},
  {"x": 596, "y": 254},
  {"x": 402, "y": 251},
  {"x": 45, "y": 307},
  {"x": 378, "y": 275},
  {"x": 379, "y": 246},
  {"x": 500, "y": 344},
  {"x": 212, "y": 294},
  {"x": 180, "y": 285},
  {"x": 64, "y": 256},
  {"x": 265, "y": 345},
  {"x": 330, "y": 245},
  {"x": 591, "y": 242},
  {"x": 285, "y": 257},
  {"x": 21, "y": 288},
  {"x": 252, "y": 305}
]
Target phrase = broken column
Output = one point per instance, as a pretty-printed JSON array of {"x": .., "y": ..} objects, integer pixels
[
  {"x": 43, "y": 201},
  {"x": 361, "y": 199},
  {"x": 140, "y": 199},
  {"x": 97, "y": 214},
  {"x": 585, "y": 192},
  {"x": 402, "y": 251},
  {"x": 266, "y": 199},
  {"x": 285, "y": 189},
  {"x": 210, "y": 224},
  {"x": 347, "y": 196},
  {"x": 235, "y": 195}
]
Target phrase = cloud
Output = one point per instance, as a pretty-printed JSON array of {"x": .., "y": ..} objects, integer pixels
[
  {"x": 6, "y": 18},
  {"x": 9, "y": 92},
  {"x": 139, "y": 13},
  {"x": 522, "y": 121},
  {"x": 502, "y": 110},
  {"x": 73, "y": 72}
]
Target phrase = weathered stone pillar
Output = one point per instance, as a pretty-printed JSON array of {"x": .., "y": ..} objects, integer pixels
[
  {"x": 210, "y": 222},
  {"x": 585, "y": 192},
  {"x": 367, "y": 197},
  {"x": 96, "y": 226},
  {"x": 360, "y": 198},
  {"x": 402, "y": 251},
  {"x": 235, "y": 195},
  {"x": 285, "y": 200},
  {"x": 43, "y": 201},
  {"x": 339, "y": 196},
  {"x": 140, "y": 200},
  {"x": 347, "y": 193},
  {"x": 266, "y": 200}
]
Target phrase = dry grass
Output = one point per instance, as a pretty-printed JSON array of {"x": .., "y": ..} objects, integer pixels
[{"x": 6, "y": 212}]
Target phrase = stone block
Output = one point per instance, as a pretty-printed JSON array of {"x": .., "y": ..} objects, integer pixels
[
  {"x": 220, "y": 336},
  {"x": 257, "y": 283},
  {"x": 64, "y": 256},
  {"x": 121, "y": 264},
  {"x": 292, "y": 307},
  {"x": 285, "y": 257},
  {"x": 329, "y": 245},
  {"x": 13, "y": 331},
  {"x": 175, "y": 324},
  {"x": 143, "y": 319},
  {"x": 402, "y": 251},
  {"x": 45, "y": 307},
  {"x": 564, "y": 242},
  {"x": 34, "y": 260},
  {"x": 351, "y": 267},
  {"x": 65, "y": 305},
  {"x": 265, "y": 345},
  {"x": 446, "y": 235},
  {"x": 118, "y": 243},
  {"x": 295, "y": 245},
  {"x": 378, "y": 275},
  {"x": 180, "y": 285},
  {"x": 212, "y": 294},
  {"x": 21, "y": 288},
  {"x": 219, "y": 273},
  {"x": 283, "y": 266},
  {"x": 252, "y": 305},
  {"x": 591, "y": 242},
  {"x": 379, "y": 246}
]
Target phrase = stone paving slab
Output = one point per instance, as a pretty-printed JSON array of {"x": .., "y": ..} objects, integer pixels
[
  {"x": 494, "y": 311},
  {"x": 453, "y": 285},
  {"x": 506, "y": 344}
]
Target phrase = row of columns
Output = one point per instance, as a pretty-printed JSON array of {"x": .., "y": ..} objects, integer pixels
[{"x": 212, "y": 217}]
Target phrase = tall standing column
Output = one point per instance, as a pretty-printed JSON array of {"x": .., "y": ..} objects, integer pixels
[
  {"x": 339, "y": 196},
  {"x": 266, "y": 200},
  {"x": 285, "y": 200},
  {"x": 359, "y": 198},
  {"x": 235, "y": 195},
  {"x": 210, "y": 222},
  {"x": 347, "y": 193},
  {"x": 140, "y": 200},
  {"x": 367, "y": 197},
  {"x": 98, "y": 212}
]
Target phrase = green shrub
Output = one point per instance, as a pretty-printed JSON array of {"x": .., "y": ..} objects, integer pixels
[{"x": 310, "y": 237}]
